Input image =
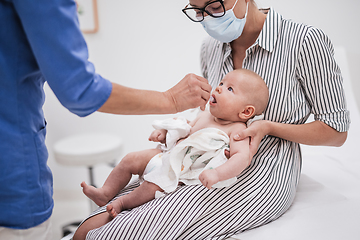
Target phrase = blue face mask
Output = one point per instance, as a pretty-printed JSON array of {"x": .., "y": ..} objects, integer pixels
[{"x": 226, "y": 28}]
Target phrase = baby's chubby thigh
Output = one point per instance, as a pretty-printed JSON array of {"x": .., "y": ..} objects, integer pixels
[
  {"x": 155, "y": 163},
  {"x": 136, "y": 162}
]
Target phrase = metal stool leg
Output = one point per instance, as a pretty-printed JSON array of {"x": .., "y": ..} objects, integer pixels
[
  {"x": 91, "y": 175},
  {"x": 93, "y": 206}
]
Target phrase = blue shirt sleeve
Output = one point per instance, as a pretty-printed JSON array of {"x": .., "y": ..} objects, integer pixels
[{"x": 52, "y": 29}]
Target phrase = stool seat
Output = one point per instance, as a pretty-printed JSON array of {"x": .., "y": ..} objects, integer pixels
[{"x": 88, "y": 149}]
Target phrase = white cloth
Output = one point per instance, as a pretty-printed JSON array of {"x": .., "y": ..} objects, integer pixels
[
  {"x": 255, "y": 118},
  {"x": 176, "y": 128},
  {"x": 40, "y": 232},
  {"x": 202, "y": 150}
]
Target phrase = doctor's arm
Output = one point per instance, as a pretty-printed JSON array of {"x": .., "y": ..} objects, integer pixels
[
  {"x": 61, "y": 53},
  {"x": 192, "y": 91}
]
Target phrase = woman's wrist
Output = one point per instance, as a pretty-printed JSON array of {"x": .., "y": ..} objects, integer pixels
[{"x": 269, "y": 127}]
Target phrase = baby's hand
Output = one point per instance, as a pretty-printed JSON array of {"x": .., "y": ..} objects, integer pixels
[
  {"x": 209, "y": 177},
  {"x": 158, "y": 135}
]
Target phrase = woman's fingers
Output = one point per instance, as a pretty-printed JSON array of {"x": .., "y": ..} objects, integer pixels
[{"x": 256, "y": 132}]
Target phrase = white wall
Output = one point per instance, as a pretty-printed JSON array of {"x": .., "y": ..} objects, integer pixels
[{"x": 152, "y": 45}]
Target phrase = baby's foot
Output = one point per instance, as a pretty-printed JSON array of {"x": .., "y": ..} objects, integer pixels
[
  {"x": 95, "y": 194},
  {"x": 114, "y": 208}
]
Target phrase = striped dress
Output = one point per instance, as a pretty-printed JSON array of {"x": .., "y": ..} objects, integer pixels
[{"x": 297, "y": 63}]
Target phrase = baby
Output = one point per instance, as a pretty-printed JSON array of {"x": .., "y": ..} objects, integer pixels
[{"x": 197, "y": 158}]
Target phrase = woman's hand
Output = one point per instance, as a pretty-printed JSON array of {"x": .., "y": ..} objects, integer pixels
[
  {"x": 314, "y": 133},
  {"x": 256, "y": 132},
  {"x": 158, "y": 135}
]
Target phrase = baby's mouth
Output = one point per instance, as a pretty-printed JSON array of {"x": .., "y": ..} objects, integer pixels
[{"x": 212, "y": 99}]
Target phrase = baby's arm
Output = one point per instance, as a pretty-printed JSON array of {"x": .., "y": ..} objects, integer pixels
[
  {"x": 158, "y": 135},
  {"x": 238, "y": 161},
  {"x": 170, "y": 131}
]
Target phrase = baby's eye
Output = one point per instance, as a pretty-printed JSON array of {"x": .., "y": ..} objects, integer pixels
[
  {"x": 221, "y": 84},
  {"x": 230, "y": 89}
]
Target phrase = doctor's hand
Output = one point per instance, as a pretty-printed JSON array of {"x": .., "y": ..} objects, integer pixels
[
  {"x": 256, "y": 131},
  {"x": 191, "y": 92}
]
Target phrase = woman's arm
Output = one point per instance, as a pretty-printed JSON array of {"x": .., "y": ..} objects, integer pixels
[
  {"x": 322, "y": 83},
  {"x": 313, "y": 133}
]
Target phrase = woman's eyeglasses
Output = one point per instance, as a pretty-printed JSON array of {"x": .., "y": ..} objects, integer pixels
[{"x": 215, "y": 9}]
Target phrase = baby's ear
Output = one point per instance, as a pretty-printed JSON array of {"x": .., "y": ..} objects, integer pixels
[{"x": 247, "y": 113}]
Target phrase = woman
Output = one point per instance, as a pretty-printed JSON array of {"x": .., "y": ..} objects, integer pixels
[{"x": 297, "y": 63}]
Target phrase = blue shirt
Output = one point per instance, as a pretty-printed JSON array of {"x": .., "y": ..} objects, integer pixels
[{"x": 39, "y": 41}]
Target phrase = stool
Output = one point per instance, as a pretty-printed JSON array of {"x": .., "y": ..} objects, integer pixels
[{"x": 87, "y": 150}]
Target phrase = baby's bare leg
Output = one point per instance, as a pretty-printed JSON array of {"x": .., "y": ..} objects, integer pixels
[
  {"x": 142, "y": 194},
  {"x": 133, "y": 163},
  {"x": 92, "y": 223}
]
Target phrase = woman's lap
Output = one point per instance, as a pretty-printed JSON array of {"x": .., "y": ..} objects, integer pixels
[{"x": 194, "y": 212}]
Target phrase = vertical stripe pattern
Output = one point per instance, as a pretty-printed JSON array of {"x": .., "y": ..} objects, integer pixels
[{"x": 296, "y": 62}]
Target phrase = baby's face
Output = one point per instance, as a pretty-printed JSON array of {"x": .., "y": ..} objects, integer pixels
[{"x": 229, "y": 98}]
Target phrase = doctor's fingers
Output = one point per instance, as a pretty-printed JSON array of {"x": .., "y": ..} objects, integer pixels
[
  {"x": 205, "y": 87},
  {"x": 192, "y": 97},
  {"x": 205, "y": 91},
  {"x": 204, "y": 84},
  {"x": 193, "y": 91}
]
